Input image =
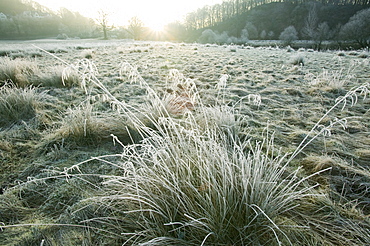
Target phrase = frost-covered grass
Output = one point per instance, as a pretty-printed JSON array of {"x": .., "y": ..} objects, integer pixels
[
  {"x": 191, "y": 185},
  {"x": 191, "y": 163},
  {"x": 17, "y": 71},
  {"x": 18, "y": 104},
  {"x": 58, "y": 76}
]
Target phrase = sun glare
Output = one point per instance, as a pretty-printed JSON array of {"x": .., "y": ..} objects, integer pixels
[
  {"x": 154, "y": 14},
  {"x": 156, "y": 27}
]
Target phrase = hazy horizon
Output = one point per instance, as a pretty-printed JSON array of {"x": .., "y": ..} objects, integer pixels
[{"x": 154, "y": 14}]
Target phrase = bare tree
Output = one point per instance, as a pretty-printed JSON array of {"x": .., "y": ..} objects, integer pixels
[
  {"x": 288, "y": 35},
  {"x": 103, "y": 21},
  {"x": 314, "y": 30},
  {"x": 309, "y": 30},
  {"x": 358, "y": 28},
  {"x": 251, "y": 30},
  {"x": 135, "y": 27},
  {"x": 323, "y": 33}
]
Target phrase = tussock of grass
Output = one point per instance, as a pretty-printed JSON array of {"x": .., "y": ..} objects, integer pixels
[
  {"x": 18, "y": 71},
  {"x": 221, "y": 117},
  {"x": 198, "y": 188},
  {"x": 23, "y": 72},
  {"x": 297, "y": 59},
  {"x": 88, "y": 54},
  {"x": 332, "y": 224},
  {"x": 82, "y": 126},
  {"x": 18, "y": 104},
  {"x": 317, "y": 163},
  {"x": 58, "y": 76}
]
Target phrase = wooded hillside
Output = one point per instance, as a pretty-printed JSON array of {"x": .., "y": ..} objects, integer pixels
[
  {"x": 233, "y": 21},
  {"x": 229, "y": 9},
  {"x": 284, "y": 20}
]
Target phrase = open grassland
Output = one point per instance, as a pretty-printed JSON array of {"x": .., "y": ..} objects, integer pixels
[{"x": 150, "y": 143}]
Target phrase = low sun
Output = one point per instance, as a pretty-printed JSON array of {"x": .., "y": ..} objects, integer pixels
[{"x": 156, "y": 27}]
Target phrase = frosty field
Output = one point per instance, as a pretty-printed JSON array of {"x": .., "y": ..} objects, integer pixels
[{"x": 156, "y": 143}]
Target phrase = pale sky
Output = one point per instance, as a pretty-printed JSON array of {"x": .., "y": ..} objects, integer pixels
[{"x": 154, "y": 13}]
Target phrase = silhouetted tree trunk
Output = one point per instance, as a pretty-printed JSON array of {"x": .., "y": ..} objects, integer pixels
[{"x": 103, "y": 22}]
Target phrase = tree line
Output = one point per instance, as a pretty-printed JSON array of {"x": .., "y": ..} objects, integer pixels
[
  {"x": 19, "y": 20},
  {"x": 28, "y": 19},
  {"x": 208, "y": 16},
  {"x": 233, "y": 21},
  {"x": 345, "y": 25}
]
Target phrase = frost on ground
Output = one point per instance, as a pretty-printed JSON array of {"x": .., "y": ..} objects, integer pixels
[{"x": 250, "y": 92}]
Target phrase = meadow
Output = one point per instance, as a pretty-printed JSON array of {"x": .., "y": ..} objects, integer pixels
[{"x": 158, "y": 143}]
